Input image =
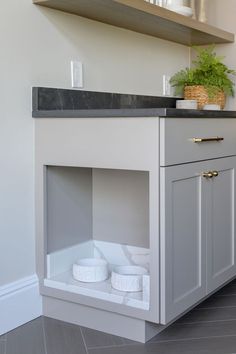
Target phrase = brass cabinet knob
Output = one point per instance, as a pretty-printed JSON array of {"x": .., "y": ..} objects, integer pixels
[
  {"x": 215, "y": 173},
  {"x": 208, "y": 174}
]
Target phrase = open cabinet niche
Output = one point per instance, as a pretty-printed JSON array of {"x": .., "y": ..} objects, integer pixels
[{"x": 93, "y": 212}]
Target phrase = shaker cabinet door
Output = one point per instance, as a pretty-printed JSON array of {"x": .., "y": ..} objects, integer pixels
[
  {"x": 197, "y": 231},
  {"x": 183, "y": 238},
  {"x": 220, "y": 218}
]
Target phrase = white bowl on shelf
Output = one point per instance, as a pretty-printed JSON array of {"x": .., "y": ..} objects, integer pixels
[
  {"x": 212, "y": 107},
  {"x": 186, "y": 104},
  {"x": 128, "y": 278},
  {"x": 90, "y": 270},
  {"x": 182, "y": 10}
]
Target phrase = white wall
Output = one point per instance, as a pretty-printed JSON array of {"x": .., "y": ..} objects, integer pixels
[
  {"x": 222, "y": 14},
  {"x": 36, "y": 48}
]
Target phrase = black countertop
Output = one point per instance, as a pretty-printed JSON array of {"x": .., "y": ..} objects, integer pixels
[{"x": 63, "y": 103}]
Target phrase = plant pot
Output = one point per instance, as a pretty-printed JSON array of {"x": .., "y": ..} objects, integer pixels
[{"x": 199, "y": 93}]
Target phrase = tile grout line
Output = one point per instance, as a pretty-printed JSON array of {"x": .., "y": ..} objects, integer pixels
[
  {"x": 122, "y": 345},
  {"x": 216, "y": 307},
  {"x": 6, "y": 344},
  {"x": 209, "y": 308},
  {"x": 44, "y": 336},
  {"x": 192, "y": 339},
  {"x": 85, "y": 345},
  {"x": 202, "y": 321},
  {"x": 3, "y": 347},
  {"x": 161, "y": 342},
  {"x": 225, "y": 295},
  {"x": 3, "y": 343}
]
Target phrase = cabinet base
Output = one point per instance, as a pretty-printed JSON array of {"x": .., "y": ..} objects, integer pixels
[{"x": 109, "y": 322}]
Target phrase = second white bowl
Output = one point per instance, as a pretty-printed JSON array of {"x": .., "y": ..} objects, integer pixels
[
  {"x": 212, "y": 107},
  {"x": 186, "y": 104},
  {"x": 90, "y": 270},
  {"x": 128, "y": 278}
]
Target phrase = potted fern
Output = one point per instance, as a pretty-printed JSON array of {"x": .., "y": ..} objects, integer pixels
[{"x": 208, "y": 81}]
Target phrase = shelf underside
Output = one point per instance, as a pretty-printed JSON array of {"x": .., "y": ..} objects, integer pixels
[
  {"x": 143, "y": 17},
  {"x": 100, "y": 290}
]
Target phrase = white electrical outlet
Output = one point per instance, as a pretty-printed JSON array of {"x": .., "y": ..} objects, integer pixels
[
  {"x": 76, "y": 74},
  {"x": 166, "y": 85}
]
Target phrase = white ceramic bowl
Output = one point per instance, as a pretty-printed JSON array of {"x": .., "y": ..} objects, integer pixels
[
  {"x": 128, "y": 278},
  {"x": 90, "y": 270},
  {"x": 182, "y": 10},
  {"x": 212, "y": 107},
  {"x": 175, "y": 2},
  {"x": 186, "y": 104}
]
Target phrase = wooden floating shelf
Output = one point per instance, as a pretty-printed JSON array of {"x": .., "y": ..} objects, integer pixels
[{"x": 143, "y": 17}]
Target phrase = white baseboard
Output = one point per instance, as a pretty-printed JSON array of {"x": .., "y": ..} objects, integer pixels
[{"x": 20, "y": 302}]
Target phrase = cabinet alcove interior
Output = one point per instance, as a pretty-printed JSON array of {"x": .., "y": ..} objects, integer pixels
[{"x": 143, "y": 17}]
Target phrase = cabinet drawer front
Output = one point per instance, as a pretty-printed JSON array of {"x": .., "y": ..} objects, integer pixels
[{"x": 196, "y": 139}]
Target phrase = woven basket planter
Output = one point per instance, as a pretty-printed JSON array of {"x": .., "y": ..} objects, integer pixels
[{"x": 199, "y": 93}]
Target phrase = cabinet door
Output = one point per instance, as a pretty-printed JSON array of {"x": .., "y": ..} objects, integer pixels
[
  {"x": 183, "y": 243},
  {"x": 220, "y": 211}
]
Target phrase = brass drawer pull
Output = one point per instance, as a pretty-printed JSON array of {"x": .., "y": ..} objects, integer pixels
[
  {"x": 203, "y": 140},
  {"x": 208, "y": 174}
]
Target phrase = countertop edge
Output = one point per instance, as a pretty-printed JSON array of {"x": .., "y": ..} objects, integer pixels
[
  {"x": 100, "y": 113},
  {"x": 133, "y": 112}
]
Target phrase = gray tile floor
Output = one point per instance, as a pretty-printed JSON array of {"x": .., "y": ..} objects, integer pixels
[{"x": 209, "y": 328}]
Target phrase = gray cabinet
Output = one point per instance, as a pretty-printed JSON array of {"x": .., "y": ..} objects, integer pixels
[
  {"x": 137, "y": 185},
  {"x": 197, "y": 232}
]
